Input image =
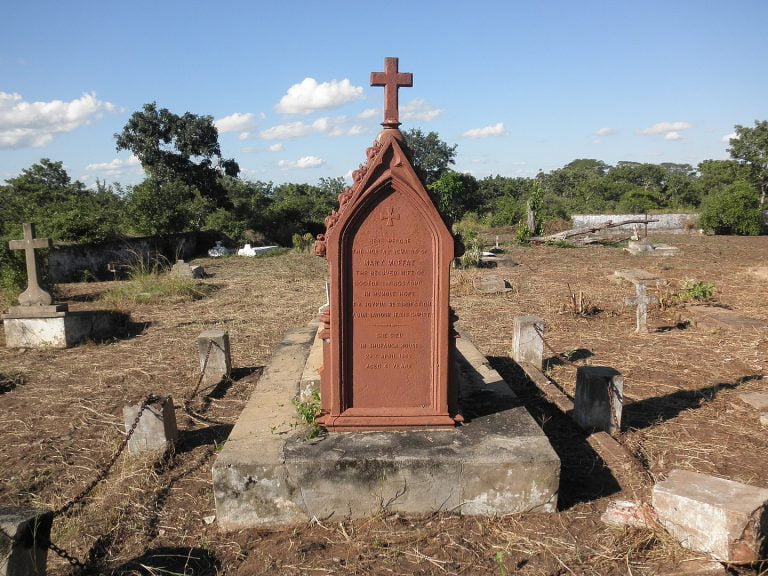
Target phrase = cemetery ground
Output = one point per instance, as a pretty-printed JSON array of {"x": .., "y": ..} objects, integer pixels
[{"x": 61, "y": 418}]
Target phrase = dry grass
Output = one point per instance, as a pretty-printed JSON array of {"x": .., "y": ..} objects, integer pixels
[{"x": 682, "y": 410}]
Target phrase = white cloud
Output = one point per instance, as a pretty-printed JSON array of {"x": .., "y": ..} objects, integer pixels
[
  {"x": 325, "y": 125},
  {"x": 672, "y": 136},
  {"x": 603, "y": 132},
  {"x": 666, "y": 128},
  {"x": 419, "y": 109},
  {"x": 116, "y": 167},
  {"x": 234, "y": 122},
  {"x": 276, "y": 148},
  {"x": 486, "y": 132},
  {"x": 369, "y": 113},
  {"x": 597, "y": 141},
  {"x": 244, "y": 136},
  {"x": 304, "y": 162},
  {"x": 728, "y": 137},
  {"x": 35, "y": 124},
  {"x": 308, "y": 96}
]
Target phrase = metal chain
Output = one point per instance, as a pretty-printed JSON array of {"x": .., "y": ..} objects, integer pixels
[
  {"x": 73, "y": 560},
  {"x": 150, "y": 399},
  {"x": 557, "y": 354}
]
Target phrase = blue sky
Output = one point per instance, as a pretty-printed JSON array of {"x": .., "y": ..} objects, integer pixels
[{"x": 519, "y": 86}]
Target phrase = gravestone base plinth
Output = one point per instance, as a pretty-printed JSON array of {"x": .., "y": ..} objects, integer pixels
[
  {"x": 499, "y": 462},
  {"x": 56, "y": 327}
]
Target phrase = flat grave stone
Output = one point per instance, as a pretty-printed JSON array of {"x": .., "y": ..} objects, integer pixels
[
  {"x": 708, "y": 514},
  {"x": 716, "y": 317},
  {"x": 760, "y": 272},
  {"x": 490, "y": 284},
  {"x": 635, "y": 275},
  {"x": 644, "y": 247},
  {"x": 758, "y": 400}
]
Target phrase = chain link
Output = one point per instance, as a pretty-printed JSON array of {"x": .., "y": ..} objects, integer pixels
[
  {"x": 150, "y": 399},
  {"x": 68, "y": 506}
]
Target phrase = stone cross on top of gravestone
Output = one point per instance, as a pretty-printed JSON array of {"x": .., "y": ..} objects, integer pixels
[
  {"x": 33, "y": 295},
  {"x": 392, "y": 80},
  {"x": 641, "y": 300}
]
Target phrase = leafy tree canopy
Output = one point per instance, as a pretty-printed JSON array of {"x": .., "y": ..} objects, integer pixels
[
  {"x": 183, "y": 148},
  {"x": 430, "y": 155},
  {"x": 750, "y": 147}
]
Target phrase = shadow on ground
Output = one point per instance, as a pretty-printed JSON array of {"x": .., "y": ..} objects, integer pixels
[
  {"x": 584, "y": 476},
  {"x": 172, "y": 560},
  {"x": 644, "y": 413}
]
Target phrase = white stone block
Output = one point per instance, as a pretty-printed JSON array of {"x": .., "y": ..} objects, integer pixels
[
  {"x": 527, "y": 344},
  {"x": 720, "y": 517}
]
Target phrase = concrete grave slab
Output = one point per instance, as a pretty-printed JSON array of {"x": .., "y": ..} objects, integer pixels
[
  {"x": 23, "y": 536},
  {"x": 635, "y": 275},
  {"x": 758, "y": 400},
  {"x": 714, "y": 317},
  {"x": 490, "y": 284},
  {"x": 720, "y": 517},
  {"x": 499, "y": 462}
]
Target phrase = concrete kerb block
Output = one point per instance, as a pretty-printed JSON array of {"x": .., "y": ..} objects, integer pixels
[
  {"x": 527, "y": 342},
  {"x": 24, "y": 537},
  {"x": 599, "y": 397},
  {"x": 215, "y": 356},
  {"x": 720, "y": 517},
  {"x": 156, "y": 428}
]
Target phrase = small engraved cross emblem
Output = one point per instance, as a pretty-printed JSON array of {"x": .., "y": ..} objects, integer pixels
[{"x": 390, "y": 215}]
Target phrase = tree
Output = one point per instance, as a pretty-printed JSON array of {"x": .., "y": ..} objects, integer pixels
[
  {"x": 178, "y": 148},
  {"x": 456, "y": 193},
  {"x": 430, "y": 155},
  {"x": 63, "y": 210},
  {"x": 734, "y": 210},
  {"x": 750, "y": 147},
  {"x": 160, "y": 207}
]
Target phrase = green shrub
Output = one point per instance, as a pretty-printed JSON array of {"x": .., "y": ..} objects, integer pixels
[
  {"x": 302, "y": 243},
  {"x": 735, "y": 210}
]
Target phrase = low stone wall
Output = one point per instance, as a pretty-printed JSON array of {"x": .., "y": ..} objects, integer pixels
[
  {"x": 77, "y": 262},
  {"x": 667, "y": 223}
]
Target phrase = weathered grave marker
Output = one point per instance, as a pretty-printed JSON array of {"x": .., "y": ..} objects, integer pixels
[
  {"x": 215, "y": 356},
  {"x": 33, "y": 295},
  {"x": 24, "y": 534},
  {"x": 36, "y": 322},
  {"x": 185, "y": 270},
  {"x": 156, "y": 428},
  {"x": 528, "y": 340},
  {"x": 641, "y": 300},
  {"x": 714, "y": 317},
  {"x": 758, "y": 400},
  {"x": 388, "y": 327},
  {"x": 490, "y": 284},
  {"x": 721, "y": 517},
  {"x": 599, "y": 398},
  {"x": 635, "y": 275}
]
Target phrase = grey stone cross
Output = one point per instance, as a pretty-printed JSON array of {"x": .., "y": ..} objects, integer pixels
[
  {"x": 33, "y": 295},
  {"x": 641, "y": 300}
]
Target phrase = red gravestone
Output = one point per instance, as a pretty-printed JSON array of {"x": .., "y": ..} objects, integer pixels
[{"x": 387, "y": 333}]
